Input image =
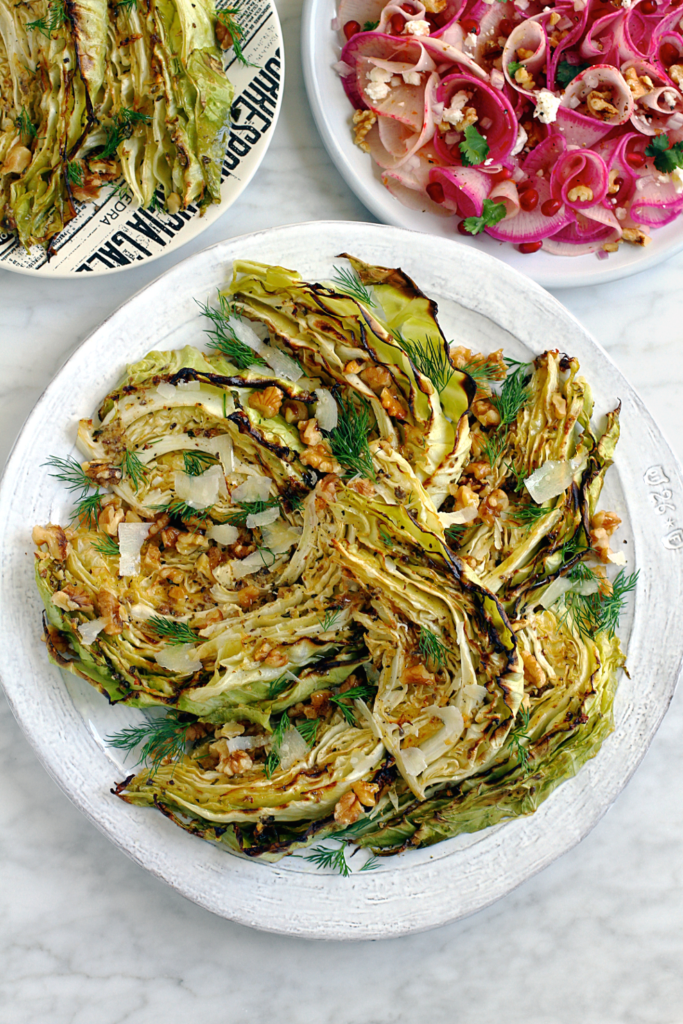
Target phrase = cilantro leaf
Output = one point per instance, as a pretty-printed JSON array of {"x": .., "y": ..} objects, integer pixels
[
  {"x": 514, "y": 66},
  {"x": 491, "y": 214},
  {"x": 667, "y": 158},
  {"x": 567, "y": 72},
  {"x": 370, "y": 26},
  {"x": 474, "y": 148}
]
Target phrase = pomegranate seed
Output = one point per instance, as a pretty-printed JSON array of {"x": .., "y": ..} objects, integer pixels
[
  {"x": 550, "y": 207},
  {"x": 529, "y": 199},
  {"x": 618, "y": 182},
  {"x": 635, "y": 159},
  {"x": 408, "y": 8},
  {"x": 668, "y": 54},
  {"x": 648, "y": 7},
  {"x": 528, "y": 247},
  {"x": 463, "y": 230},
  {"x": 470, "y": 25},
  {"x": 506, "y": 26},
  {"x": 397, "y": 23},
  {"x": 351, "y": 28},
  {"x": 504, "y": 174},
  {"x": 435, "y": 191}
]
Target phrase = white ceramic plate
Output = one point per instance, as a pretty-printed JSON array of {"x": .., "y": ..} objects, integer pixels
[
  {"x": 113, "y": 233},
  {"x": 485, "y": 304},
  {"x": 332, "y": 112}
]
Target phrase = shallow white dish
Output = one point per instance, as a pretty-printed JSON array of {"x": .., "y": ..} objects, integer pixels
[
  {"x": 113, "y": 233},
  {"x": 332, "y": 111},
  {"x": 485, "y": 304}
]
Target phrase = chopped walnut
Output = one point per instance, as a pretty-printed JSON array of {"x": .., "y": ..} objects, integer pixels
[
  {"x": 676, "y": 74},
  {"x": 353, "y": 366},
  {"x": 169, "y": 536},
  {"x": 111, "y": 610},
  {"x": 603, "y": 525},
  {"x": 151, "y": 558},
  {"x": 177, "y": 594},
  {"x": 320, "y": 458},
  {"x": 109, "y": 518},
  {"x": 376, "y": 377},
  {"x": 599, "y": 104},
  {"x": 262, "y": 650},
  {"x": 327, "y": 488},
  {"x": 102, "y": 473},
  {"x": 266, "y": 402},
  {"x": 235, "y": 763},
  {"x": 276, "y": 658},
  {"x": 486, "y": 412},
  {"x": 71, "y": 597},
  {"x": 363, "y": 121},
  {"x": 393, "y": 405},
  {"x": 495, "y": 503},
  {"x": 54, "y": 537},
  {"x": 580, "y": 194},
  {"x": 524, "y": 79},
  {"x": 533, "y": 672},
  {"x": 435, "y": 6},
  {"x": 186, "y": 543},
  {"x": 479, "y": 470},
  {"x": 416, "y": 674},
  {"x": 223, "y": 35},
  {"x": 197, "y": 731},
  {"x": 247, "y": 595},
  {"x": 364, "y": 487},
  {"x": 465, "y": 497},
  {"x": 524, "y": 54},
  {"x": 294, "y": 411},
  {"x": 320, "y": 704},
  {"x": 611, "y": 247},
  {"x": 348, "y": 809},
  {"x": 634, "y": 236},
  {"x": 612, "y": 186},
  {"x": 309, "y": 432},
  {"x": 366, "y": 793},
  {"x": 639, "y": 86}
]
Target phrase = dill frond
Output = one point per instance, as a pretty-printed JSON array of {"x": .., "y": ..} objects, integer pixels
[
  {"x": 74, "y": 172},
  {"x": 329, "y": 618},
  {"x": 494, "y": 446},
  {"x": 513, "y": 395},
  {"x": 429, "y": 358},
  {"x": 56, "y": 17},
  {"x": 349, "y": 283},
  {"x": 599, "y": 612},
  {"x": 370, "y": 864},
  {"x": 162, "y": 738},
  {"x": 181, "y": 510},
  {"x": 527, "y": 514},
  {"x": 227, "y": 17},
  {"x": 133, "y": 469},
  {"x": 329, "y": 859},
  {"x": 87, "y": 510},
  {"x": 455, "y": 534},
  {"x": 237, "y": 516},
  {"x": 173, "y": 632},
  {"x": 222, "y": 337},
  {"x": 121, "y": 128},
  {"x": 273, "y": 759},
  {"x": 196, "y": 463},
  {"x": 361, "y": 692},
  {"x": 431, "y": 647},
  {"x": 309, "y": 730},
  {"x": 107, "y": 546},
  {"x": 349, "y": 439},
  {"x": 519, "y": 737},
  {"x": 70, "y": 472},
  {"x": 518, "y": 474},
  {"x": 481, "y": 372},
  {"x": 278, "y": 686},
  {"x": 23, "y": 122}
]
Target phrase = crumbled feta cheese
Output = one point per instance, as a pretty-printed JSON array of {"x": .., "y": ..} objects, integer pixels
[
  {"x": 489, "y": 161},
  {"x": 417, "y": 28},
  {"x": 621, "y": 213},
  {"x": 378, "y": 84},
  {"x": 131, "y": 538},
  {"x": 521, "y": 142},
  {"x": 412, "y": 77},
  {"x": 453, "y": 114},
  {"x": 547, "y": 105},
  {"x": 522, "y": 4},
  {"x": 470, "y": 40},
  {"x": 677, "y": 178}
]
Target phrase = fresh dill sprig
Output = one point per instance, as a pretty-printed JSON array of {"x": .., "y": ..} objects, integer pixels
[
  {"x": 134, "y": 469},
  {"x": 361, "y": 692},
  {"x": 429, "y": 358},
  {"x": 431, "y": 647},
  {"x": 455, "y": 534},
  {"x": 227, "y": 17},
  {"x": 273, "y": 759},
  {"x": 349, "y": 439},
  {"x": 27, "y": 129},
  {"x": 370, "y": 864},
  {"x": 329, "y": 618},
  {"x": 107, "y": 546},
  {"x": 386, "y": 539},
  {"x": 482, "y": 373},
  {"x": 349, "y": 283},
  {"x": 56, "y": 17},
  {"x": 71, "y": 473},
  {"x": 599, "y": 612},
  {"x": 173, "y": 632},
  {"x": 126, "y": 4},
  {"x": 196, "y": 463},
  {"x": 528, "y": 514},
  {"x": 494, "y": 446},
  {"x": 278, "y": 686},
  {"x": 331, "y": 859},
  {"x": 517, "y": 738},
  {"x": 181, "y": 510},
  {"x": 513, "y": 395},
  {"x": 237, "y": 516},
  {"x": 74, "y": 172},
  {"x": 309, "y": 730},
  {"x": 121, "y": 128},
  {"x": 518, "y": 474},
  {"x": 162, "y": 738},
  {"x": 87, "y": 510},
  {"x": 222, "y": 337}
]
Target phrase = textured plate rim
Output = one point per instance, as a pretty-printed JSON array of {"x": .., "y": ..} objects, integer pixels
[
  {"x": 315, "y": 32},
  {"x": 367, "y": 905}
]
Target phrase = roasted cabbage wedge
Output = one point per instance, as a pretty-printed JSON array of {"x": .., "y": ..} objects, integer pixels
[
  {"x": 359, "y": 571},
  {"x": 92, "y": 91}
]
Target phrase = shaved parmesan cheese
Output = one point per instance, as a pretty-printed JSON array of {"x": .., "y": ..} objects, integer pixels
[
  {"x": 463, "y": 515},
  {"x": 617, "y": 559},
  {"x": 131, "y": 538},
  {"x": 414, "y": 760},
  {"x": 251, "y": 564},
  {"x": 222, "y": 447},
  {"x": 562, "y": 585},
  {"x": 247, "y": 742},
  {"x": 264, "y": 518},
  {"x": 90, "y": 630},
  {"x": 255, "y": 488},
  {"x": 553, "y": 478},
  {"x": 200, "y": 491},
  {"x": 326, "y": 411},
  {"x": 281, "y": 364},
  {"x": 293, "y": 748},
  {"x": 189, "y": 385},
  {"x": 225, "y": 534},
  {"x": 246, "y": 334},
  {"x": 181, "y": 658},
  {"x": 166, "y": 390},
  {"x": 280, "y": 536}
]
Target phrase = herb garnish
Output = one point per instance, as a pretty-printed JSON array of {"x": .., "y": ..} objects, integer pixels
[
  {"x": 87, "y": 510},
  {"x": 23, "y": 122},
  {"x": 492, "y": 212},
  {"x": 222, "y": 337},
  {"x": 181, "y": 510},
  {"x": 121, "y": 128},
  {"x": 71, "y": 473},
  {"x": 599, "y": 612},
  {"x": 237, "y": 515},
  {"x": 431, "y": 647},
  {"x": 227, "y": 17},
  {"x": 567, "y": 72},
  {"x": 494, "y": 446},
  {"x": 329, "y": 618},
  {"x": 513, "y": 395},
  {"x": 308, "y": 730},
  {"x": 667, "y": 157},
  {"x": 134, "y": 469},
  {"x": 474, "y": 148},
  {"x": 513, "y": 67},
  {"x": 349, "y": 283},
  {"x": 349, "y": 439},
  {"x": 481, "y": 372},
  {"x": 196, "y": 463},
  {"x": 455, "y": 534},
  {"x": 74, "y": 173},
  {"x": 335, "y": 860},
  {"x": 173, "y": 632},
  {"x": 273, "y": 759},
  {"x": 162, "y": 738},
  {"x": 107, "y": 546},
  {"x": 517, "y": 738},
  {"x": 527, "y": 514},
  {"x": 429, "y": 358},
  {"x": 361, "y": 692},
  {"x": 56, "y": 17}
]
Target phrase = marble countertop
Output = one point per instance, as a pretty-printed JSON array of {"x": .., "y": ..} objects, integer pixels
[{"x": 88, "y": 937}]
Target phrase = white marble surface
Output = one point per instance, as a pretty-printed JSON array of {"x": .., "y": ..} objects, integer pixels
[{"x": 87, "y": 937}]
